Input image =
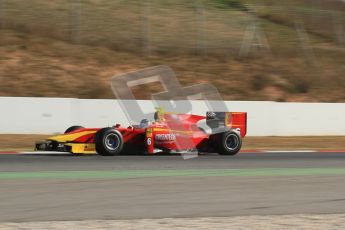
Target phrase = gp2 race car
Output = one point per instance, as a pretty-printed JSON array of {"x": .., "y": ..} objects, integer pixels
[{"x": 220, "y": 132}]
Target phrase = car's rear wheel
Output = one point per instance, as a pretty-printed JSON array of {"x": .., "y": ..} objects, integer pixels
[
  {"x": 230, "y": 143},
  {"x": 73, "y": 128},
  {"x": 109, "y": 142}
]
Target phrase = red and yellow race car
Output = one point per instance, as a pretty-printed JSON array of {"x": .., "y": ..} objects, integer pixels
[{"x": 220, "y": 132}]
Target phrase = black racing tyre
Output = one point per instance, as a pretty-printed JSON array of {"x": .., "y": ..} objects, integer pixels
[
  {"x": 73, "y": 128},
  {"x": 230, "y": 143},
  {"x": 109, "y": 142}
]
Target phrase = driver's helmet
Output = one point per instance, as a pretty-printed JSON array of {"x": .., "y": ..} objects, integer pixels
[
  {"x": 144, "y": 123},
  {"x": 159, "y": 114}
]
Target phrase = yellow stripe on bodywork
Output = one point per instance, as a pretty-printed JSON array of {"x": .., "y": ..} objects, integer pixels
[
  {"x": 173, "y": 131},
  {"x": 70, "y": 137},
  {"x": 228, "y": 121},
  {"x": 80, "y": 148},
  {"x": 149, "y": 132}
]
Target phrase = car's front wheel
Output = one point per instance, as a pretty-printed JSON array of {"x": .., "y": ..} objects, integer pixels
[{"x": 109, "y": 142}]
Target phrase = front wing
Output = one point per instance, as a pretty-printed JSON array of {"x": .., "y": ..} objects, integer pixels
[{"x": 75, "y": 148}]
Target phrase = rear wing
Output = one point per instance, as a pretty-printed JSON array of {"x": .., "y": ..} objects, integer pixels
[{"x": 233, "y": 120}]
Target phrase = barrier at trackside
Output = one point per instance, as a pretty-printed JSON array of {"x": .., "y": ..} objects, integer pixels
[{"x": 26, "y": 115}]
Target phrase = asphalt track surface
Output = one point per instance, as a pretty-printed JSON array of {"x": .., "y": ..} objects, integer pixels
[{"x": 65, "y": 187}]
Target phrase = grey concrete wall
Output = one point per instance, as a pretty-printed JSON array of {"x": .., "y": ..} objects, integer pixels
[{"x": 25, "y": 115}]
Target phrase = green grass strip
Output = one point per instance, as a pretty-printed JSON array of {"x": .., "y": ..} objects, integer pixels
[{"x": 172, "y": 173}]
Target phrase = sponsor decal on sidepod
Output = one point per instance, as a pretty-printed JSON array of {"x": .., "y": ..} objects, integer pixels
[{"x": 165, "y": 137}]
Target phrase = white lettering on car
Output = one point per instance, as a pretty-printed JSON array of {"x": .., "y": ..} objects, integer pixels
[
  {"x": 149, "y": 141},
  {"x": 165, "y": 137}
]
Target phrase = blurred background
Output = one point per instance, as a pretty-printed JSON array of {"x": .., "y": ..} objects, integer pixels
[{"x": 290, "y": 50}]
